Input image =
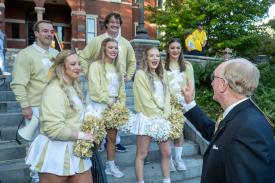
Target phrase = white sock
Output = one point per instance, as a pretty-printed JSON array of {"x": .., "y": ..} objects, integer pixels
[
  {"x": 141, "y": 181},
  {"x": 110, "y": 163},
  {"x": 166, "y": 180},
  {"x": 117, "y": 139},
  {"x": 178, "y": 153}
]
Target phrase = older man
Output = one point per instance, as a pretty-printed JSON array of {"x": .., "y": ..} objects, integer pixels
[{"x": 242, "y": 149}]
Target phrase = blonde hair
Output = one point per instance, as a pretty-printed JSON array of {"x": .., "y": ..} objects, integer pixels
[
  {"x": 146, "y": 69},
  {"x": 102, "y": 55},
  {"x": 58, "y": 73},
  {"x": 242, "y": 76}
]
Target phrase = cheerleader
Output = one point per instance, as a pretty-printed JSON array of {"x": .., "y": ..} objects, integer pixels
[
  {"x": 62, "y": 113},
  {"x": 177, "y": 73},
  {"x": 106, "y": 87},
  {"x": 152, "y": 104}
]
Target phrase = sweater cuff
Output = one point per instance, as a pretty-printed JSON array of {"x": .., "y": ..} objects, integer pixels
[{"x": 24, "y": 104}]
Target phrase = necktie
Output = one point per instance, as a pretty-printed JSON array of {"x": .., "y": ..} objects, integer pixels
[{"x": 220, "y": 118}]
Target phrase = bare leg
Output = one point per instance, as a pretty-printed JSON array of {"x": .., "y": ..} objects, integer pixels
[
  {"x": 143, "y": 143},
  {"x": 165, "y": 158},
  {"x": 85, "y": 177},
  {"x": 51, "y": 178},
  {"x": 111, "y": 145}
]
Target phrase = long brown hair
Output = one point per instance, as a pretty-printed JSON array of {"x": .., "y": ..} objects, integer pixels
[{"x": 180, "y": 60}]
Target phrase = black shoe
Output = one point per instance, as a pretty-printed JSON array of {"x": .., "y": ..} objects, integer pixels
[{"x": 120, "y": 148}]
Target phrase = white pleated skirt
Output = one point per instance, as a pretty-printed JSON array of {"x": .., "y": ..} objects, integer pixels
[
  {"x": 55, "y": 157},
  {"x": 95, "y": 108},
  {"x": 155, "y": 127}
]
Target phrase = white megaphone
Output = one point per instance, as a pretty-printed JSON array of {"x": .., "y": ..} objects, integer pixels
[{"x": 30, "y": 131}]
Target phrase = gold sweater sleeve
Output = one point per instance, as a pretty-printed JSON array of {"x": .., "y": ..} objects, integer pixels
[
  {"x": 87, "y": 55},
  {"x": 21, "y": 77},
  {"x": 131, "y": 61},
  {"x": 189, "y": 75},
  {"x": 143, "y": 96},
  {"x": 96, "y": 84},
  {"x": 53, "y": 114}
]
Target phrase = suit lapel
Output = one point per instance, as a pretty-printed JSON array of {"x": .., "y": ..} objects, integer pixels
[{"x": 222, "y": 126}]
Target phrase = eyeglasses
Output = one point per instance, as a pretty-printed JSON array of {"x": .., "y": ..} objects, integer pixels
[{"x": 213, "y": 77}]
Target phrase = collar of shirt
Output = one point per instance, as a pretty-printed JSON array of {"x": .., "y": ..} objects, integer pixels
[
  {"x": 229, "y": 108},
  {"x": 38, "y": 48},
  {"x": 116, "y": 38}
]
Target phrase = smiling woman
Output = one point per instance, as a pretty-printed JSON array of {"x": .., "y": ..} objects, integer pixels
[{"x": 62, "y": 113}]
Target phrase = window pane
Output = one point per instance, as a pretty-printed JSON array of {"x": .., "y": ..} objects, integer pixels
[
  {"x": 91, "y": 25},
  {"x": 15, "y": 30},
  {"x": 60, "y": 33}
]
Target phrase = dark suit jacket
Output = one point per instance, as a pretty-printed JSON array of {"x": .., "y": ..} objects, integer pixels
[{"x": 241, "y": 151}]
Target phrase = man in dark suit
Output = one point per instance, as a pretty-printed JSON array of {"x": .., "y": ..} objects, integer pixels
[{"x": 242, "y": 150}]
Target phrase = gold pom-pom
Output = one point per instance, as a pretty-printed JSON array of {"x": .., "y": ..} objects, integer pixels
[
  {"x": 176, "y": 118},
  {"x": 175, "y": 104},
  {"x": 115, "y": 116},
  {"x": 95, "y": 126}
]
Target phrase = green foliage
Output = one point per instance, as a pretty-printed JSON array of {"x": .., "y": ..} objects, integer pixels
[
  {"x": 204, "y": 92},
  {"x": 228, "y": 23},
  {"x": 264, "y": 96}
]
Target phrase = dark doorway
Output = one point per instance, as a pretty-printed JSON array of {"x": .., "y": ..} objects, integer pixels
[{"x": 31, "y": 18}]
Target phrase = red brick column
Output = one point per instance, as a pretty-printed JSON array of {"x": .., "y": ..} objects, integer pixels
[
  {"x": 78, "y": 29},
  {"x": 78, "y": 23},
  {"x": 140, "y": 45}
]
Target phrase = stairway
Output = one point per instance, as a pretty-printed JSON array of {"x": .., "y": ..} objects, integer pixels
[{"x": 12, "y": 163}]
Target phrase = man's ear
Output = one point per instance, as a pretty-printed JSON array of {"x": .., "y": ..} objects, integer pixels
[{"x": 36, "y": 33}]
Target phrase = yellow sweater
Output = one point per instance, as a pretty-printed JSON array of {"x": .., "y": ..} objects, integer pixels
[
  {"x": 30, "y": 74},
  {"x": 126, "y": 56},
  {"x": 145, "y": 101},
  {"x": 98, "y": 83},
  {"x": 57, "y": 118}
]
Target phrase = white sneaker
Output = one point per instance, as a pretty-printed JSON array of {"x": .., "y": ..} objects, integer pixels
[
  {"x": 179, "y": 164},
  {"x": 172, "y": 166},
  {"x": 114, "y": 171}
]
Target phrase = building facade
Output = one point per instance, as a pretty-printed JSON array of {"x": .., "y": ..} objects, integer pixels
[{"x": 75, "y": 21}]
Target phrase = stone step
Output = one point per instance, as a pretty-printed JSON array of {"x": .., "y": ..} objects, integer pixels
[
  {"x": 12, "y": 150},
  {"x": 129, "y": 84},
  {"x": 152, "y": 172},
  {"x": 130, "y": 101},
  {"x": 129, "y": 91},
  {"x": 131, "y": 108},
  {"x": 192, "y": 180},
  {"x": 10, "y": 119},
  {"x": 8, "y": 133},
  {"x": 9, "y": 106},
  {"x": 14, "y": 171},
  {"x": 127, "y": 158},
  {"x": 127, "y": 138},
  {"x": 7, "y": 96},
  {"x": 5, "y": 86}
]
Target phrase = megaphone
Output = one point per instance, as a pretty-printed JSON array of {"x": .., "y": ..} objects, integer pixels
[{"x": 30, "y": 131}]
